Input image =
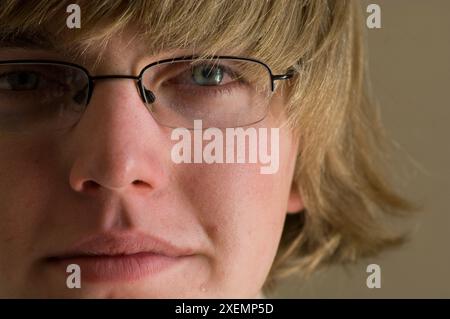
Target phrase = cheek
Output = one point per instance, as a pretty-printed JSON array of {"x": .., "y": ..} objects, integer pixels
[
  {"x": 27, "y": 173},
  {"x": 242, "y": 211}
]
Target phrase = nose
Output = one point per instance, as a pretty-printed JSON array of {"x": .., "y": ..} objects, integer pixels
[{"x": 116, "y": 146}]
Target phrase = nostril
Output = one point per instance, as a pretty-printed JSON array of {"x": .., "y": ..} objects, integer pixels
[
  {"x": 90, "y": 185},
  {"x": 139, "y": 183}
]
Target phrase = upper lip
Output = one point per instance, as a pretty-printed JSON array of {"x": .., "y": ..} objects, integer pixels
[{"x": 111, "y": 244}]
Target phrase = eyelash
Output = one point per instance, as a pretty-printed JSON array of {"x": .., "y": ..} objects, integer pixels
[{"x": 218, "y": 89}]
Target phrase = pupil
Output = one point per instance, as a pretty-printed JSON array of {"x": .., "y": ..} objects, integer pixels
[
  {"x": 208, "y": 75},
  {"x": 23, "y": 80}
]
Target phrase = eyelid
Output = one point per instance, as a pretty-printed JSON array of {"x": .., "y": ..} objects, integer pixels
[{"x": 176, "y": 72}]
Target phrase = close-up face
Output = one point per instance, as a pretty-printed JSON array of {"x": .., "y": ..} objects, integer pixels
[
  {"x": 209, "y": 149},
  {"x": 107, "y": 195}
]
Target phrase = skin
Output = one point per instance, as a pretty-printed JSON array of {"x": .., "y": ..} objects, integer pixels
[{"x": 230, "y": 215}]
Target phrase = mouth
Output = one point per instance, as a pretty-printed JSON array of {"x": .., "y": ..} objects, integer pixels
[{"x": 112, "y": 257}]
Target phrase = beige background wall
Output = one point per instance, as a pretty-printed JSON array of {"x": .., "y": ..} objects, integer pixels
[{"x": 410, "y": 68}]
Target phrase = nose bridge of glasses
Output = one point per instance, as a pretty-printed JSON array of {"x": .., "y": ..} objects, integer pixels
[
  {"x": 114, "y": 76},
  {"x": 122, "y": 77}
]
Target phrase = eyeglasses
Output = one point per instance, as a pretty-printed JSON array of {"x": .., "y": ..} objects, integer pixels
[{"x": 222, "y": 91}]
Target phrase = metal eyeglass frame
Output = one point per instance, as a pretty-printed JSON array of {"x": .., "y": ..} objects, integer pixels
[{"x": 144, "y": 93}]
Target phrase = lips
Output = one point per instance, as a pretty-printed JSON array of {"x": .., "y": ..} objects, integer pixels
[{"x": 120, "y": 257}]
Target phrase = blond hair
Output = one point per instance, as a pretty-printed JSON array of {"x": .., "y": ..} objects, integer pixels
[{"x": 340, "y": 163}]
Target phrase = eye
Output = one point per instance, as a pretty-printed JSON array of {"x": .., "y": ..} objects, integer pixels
[
  {"x": 207, "y": 74},
  {"x": 19, "y": 81}
]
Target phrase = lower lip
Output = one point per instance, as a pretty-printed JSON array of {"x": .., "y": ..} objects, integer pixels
[{"x": 120, "y": 268}]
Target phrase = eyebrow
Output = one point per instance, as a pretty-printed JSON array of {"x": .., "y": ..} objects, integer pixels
[
  {"x": 26, "y": 39},
  {"x": 42, "y": 40}
]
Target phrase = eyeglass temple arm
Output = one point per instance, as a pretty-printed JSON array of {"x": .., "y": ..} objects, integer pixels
[{"x": 289, "y": 74}]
